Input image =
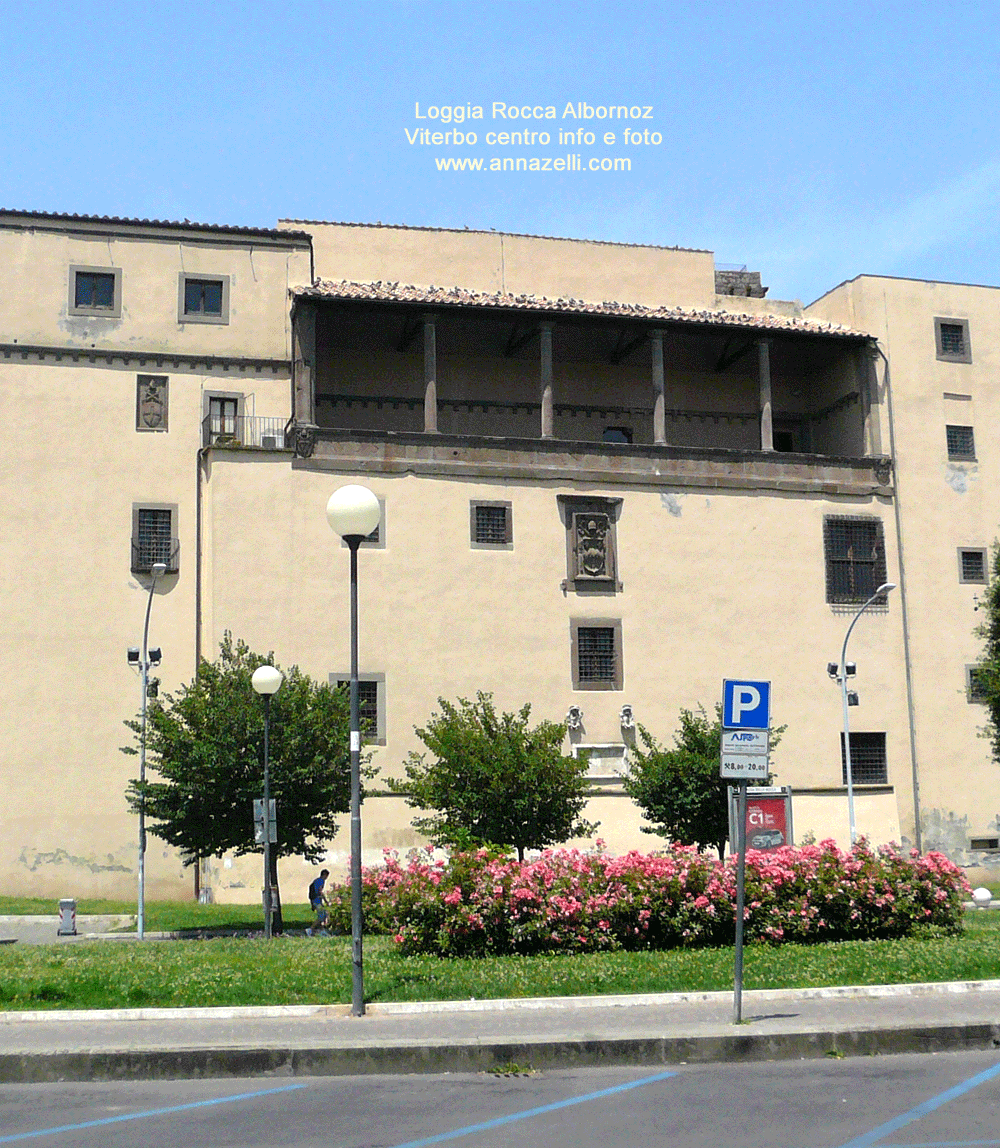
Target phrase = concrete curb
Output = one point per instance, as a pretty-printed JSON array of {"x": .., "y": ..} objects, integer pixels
[
  {"x": 403, "y": 1057},
  {"x": 403, "y": 1008}
]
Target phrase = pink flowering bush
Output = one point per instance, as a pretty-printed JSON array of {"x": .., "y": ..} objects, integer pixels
[{"x": 480, "y": 903}]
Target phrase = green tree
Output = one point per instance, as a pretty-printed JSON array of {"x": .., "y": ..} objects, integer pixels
[
  {"x": 987, "y": 676},
  {"x": 206, "y": 743},
  {"x": 679, "y": 790},
  {"x": 493, "y": 780}
]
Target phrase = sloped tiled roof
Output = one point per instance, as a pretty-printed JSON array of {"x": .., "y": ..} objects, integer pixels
[
  {"x": 116, "y": 220},
  {"x": 383, "y": 292}
]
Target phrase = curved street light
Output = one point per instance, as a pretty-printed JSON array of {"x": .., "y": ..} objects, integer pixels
[
  {"x": 266, "y": 681},
  {"x": 353, "y": 512},
  {"x": 157, "y": 570},
  {"x": 884, "y": 589}
]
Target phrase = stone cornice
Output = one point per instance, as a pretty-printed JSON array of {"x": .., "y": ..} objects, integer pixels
[{"x": 132, "y": 360}]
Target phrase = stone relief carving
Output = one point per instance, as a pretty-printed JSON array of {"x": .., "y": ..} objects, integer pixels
[{"x": 151, "y": 403}]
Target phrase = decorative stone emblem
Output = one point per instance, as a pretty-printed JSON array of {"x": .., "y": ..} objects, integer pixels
[
  {"x": 151, "y": 403},
  {"x": 883, "y": 470},
  {"x": 305, "y": 439},
  {"x": 592, "y": 536}
]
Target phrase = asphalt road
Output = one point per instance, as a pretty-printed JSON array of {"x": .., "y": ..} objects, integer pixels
[{"x": 950, "y": 1099}]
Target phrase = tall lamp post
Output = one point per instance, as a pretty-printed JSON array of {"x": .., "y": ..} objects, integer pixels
[
  {"x": 885, "y": 588},
  {"x": 353, "y": 512},
  {"x": 266, "y": 681},
  {"x": 157, "y": 570}
]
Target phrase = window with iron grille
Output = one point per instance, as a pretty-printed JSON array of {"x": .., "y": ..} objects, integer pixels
[
  {"x": 855, "y": 558},
  {"x": 972, "y": 565},
  {"x": 597, "y": 653},
  {"x": 371, "y": 704},
  {"x": 975, "y": 683},
  {"x": 952, "y": 339},
  {"x": 203, "y": 299},
  {"x": 153, "y": 539},
  {"x": 961, "y": 443},
  {"x": 95, "y": 291},
  {"x": 868, "y": 763},
  {"x": 491, "y": 525}
]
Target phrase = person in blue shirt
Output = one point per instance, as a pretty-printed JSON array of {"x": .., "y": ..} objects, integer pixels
[{"x": 317, "y": 902}]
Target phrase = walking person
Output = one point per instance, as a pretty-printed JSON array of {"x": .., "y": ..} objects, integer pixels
[{"x": 318, "y": 902}]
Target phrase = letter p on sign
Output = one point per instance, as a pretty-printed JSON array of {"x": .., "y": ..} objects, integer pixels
[{"x": 746, "y": 705}]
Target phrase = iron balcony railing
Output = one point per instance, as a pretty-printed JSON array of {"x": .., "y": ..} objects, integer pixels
[
  {"x": 257, "y": 431},
  {"x": 147, "y": 551}
]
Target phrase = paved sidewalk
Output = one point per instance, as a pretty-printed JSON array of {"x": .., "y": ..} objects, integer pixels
[{"x": 466, "y": 1036}]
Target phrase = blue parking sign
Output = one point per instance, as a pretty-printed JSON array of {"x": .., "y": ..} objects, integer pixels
[{"x": 746, "y": 705}]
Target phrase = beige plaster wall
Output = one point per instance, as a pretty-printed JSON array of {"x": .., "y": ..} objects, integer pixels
[
  {"x": 513, "y": 264},
  {"x": 40, "y": 262}
]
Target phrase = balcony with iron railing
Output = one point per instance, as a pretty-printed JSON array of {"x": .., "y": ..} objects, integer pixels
[{"x": 255, "y": 432}]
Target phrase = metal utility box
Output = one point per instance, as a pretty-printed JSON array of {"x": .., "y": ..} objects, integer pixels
[{"x": 67, "y": 917}]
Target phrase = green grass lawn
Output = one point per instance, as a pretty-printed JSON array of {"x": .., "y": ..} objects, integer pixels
[{"x": 250, "y": 971}]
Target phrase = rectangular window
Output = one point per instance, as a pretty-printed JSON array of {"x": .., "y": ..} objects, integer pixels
[
  {"x": 153, "y": 539},
  {"x": 975, "y": 684},
  {"x": 222, "y": 416},
  {"x": 961, "y": 443},
  {"x": 984, "y": 843},
  {"x": 951, "y": 337},
  {"x": 596, "y": 653},
  {"x": 203, "y": 298},
  {"x": 972, "y": 565},
  {"x": 95, "y": 291},
  {"x": 868, "y": 763},
  {"x": 491, "y": 525},
  {"x": 371, "y": 704},
  {"x": 855, "y": 558}
]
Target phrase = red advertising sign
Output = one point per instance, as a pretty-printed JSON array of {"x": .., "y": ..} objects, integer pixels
[{"x": 769, "y": 818}]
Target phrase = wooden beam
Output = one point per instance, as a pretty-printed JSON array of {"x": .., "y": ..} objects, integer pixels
[
  {"x": 625, "y": 346},
  {"x": 730, "y": 354}
]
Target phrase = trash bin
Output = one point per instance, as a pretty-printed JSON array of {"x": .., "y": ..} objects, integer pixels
[{"x": 67, "y": 917}]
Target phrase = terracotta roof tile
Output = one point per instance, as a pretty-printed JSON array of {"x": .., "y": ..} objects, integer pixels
[
  {"x": 385, "y": 292},
  {"x": 225, "y": 229}
]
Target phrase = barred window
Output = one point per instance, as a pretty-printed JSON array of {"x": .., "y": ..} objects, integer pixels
[
  {"x": 952, "y": 339},
  {"x": 367, "y": 704},
  {"x": 596, "y": 653},
  {"x": 868, "y": 763},
  {"x": 855, "y": 558},
  {"x": 961, "y": 443},
  {"x": 491, "y": 525},
  {"x": 153, "y": 539},
  {"x": 972, "y": 565}
]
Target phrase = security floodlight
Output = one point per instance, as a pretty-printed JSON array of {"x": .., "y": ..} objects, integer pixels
[
  {"x": 132, "y": 653},
  {"x": 155, "y": 655},
  {"x": 832, "y": 669},
  {"x": 158, "y": 569},
  {"x": 852, "y": 698},
  {"x": 850, "y": 668}
]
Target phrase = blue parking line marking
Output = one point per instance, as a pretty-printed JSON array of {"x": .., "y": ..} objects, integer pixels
[
  {"x": 146, "y": 1115},
  {"x": 928, "y": 1106},
  {"x": 501, "y": 1120},
  {"x": 948, "y": 1144}
]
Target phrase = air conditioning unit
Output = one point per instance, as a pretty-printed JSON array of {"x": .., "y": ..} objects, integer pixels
[{"x": 272, "y": 441}]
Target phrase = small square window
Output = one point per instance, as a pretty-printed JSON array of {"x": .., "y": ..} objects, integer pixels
[
  {"x": 972, "y": 566},
  {"x": 491, "y": 526},
  {"x": 95, "y": 291},
  {"x": 975, "y": 683},
  {"x": 961, "y": 443},
  {"x": 203, "y": 299},
  {"x": 371, "y": 704},
  {"x": 952, "y": 339},
  {"x": 868, "y": 762},
  {"x": 154, "y": 539},
  {"x": 597, "y": 653}
]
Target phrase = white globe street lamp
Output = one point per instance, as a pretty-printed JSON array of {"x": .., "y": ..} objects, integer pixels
[
  {"x": 353, "y": 512},
  {"x": 884, "y": 589},
  {"x": 266, "y": 681}
]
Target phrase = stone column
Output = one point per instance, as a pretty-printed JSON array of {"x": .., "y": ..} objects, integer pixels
[
  {"x": 764, "y": 375},
  {"x": 304, "y": 364},
  {"x": 659, "y": 405},
  {"x": 545, "y": 342},
  {"x": 430, "y": 377}
]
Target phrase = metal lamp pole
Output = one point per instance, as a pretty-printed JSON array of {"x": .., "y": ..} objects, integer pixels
[
  {"x": 266, "y": 681},
  {"x": 156, "y": 570},
  {"x": 354, "y": 512},
  {"x": 885, "y": 588}
]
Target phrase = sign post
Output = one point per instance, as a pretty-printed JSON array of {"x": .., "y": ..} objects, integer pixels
[{"x": 746, "y": 719}]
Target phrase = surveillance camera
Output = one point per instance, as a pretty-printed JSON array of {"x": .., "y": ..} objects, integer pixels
[
  {"x": 132, "y": 653},
  {"x": 155, "y": 655}
]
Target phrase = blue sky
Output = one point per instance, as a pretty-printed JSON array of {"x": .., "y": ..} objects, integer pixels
[{"x": 810, "y": 141}]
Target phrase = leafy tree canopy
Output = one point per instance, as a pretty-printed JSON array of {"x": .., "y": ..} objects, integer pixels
[
  {"x": 493, "y": 780},
  {"x": 988, "y": 669},
  {"x": 206, "y": 743},
  {"x": 679, "y": 790}
]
